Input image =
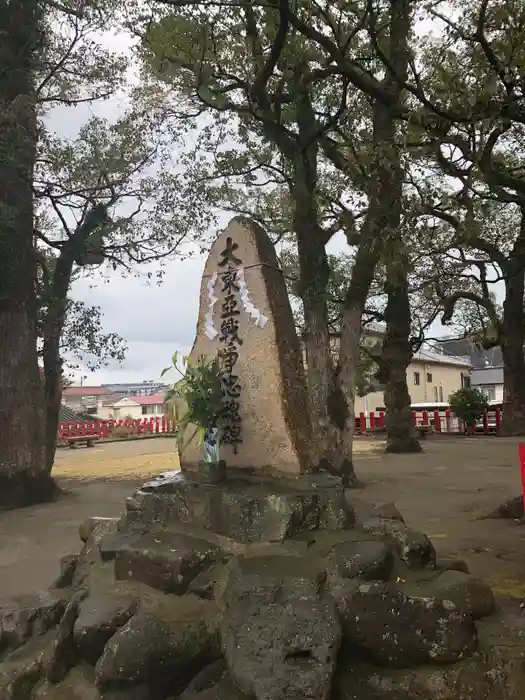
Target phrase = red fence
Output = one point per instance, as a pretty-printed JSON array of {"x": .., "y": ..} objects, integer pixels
[
  {"x": 105, "y": 429},
  {"x": 440, "y": 421}
]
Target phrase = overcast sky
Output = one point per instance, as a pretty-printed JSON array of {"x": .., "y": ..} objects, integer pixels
[{"x": 154, "y": 320}]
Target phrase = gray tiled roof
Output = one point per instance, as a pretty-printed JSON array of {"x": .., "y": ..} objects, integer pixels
[
  {"x": 478, "y": 356},
  {"x": 66, "y": 415},
  {"x": 424, "y": 355},
  {"x": 487, "y": 376}
]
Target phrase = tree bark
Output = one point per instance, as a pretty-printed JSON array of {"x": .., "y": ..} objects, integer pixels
[
  {"x": 385, "y": 184},
  {"x": 314, "y": 275},
  {"x": 23, "y": 477},
  {"x": 55, "y": 316},
  {"x": 396, "y": 355},
  {"x": 512, "y": 341}
]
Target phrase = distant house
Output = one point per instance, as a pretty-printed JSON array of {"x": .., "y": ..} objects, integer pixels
[
  {"x": 431, "y": 378},
  {"x": 85, "y": 399},
  {"x": 489, "y": 380},
  {"x": 487, "y": 365},
  {"x": 144, "y": 388},
  {"x": 467, "y": 347},
  {"x": 134, "y": 407},
  {"x": 96, "y": 399}
]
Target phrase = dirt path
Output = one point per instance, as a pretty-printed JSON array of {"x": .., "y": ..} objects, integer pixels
[
  {"x": 444, "y": 491},
  {"x": 440, "y": 492},
  {"x": 97, "y": 482}
]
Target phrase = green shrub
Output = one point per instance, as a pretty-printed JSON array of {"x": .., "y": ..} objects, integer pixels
[{"x": 468, "y": 404}]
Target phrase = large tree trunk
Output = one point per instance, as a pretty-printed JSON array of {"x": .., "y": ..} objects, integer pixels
[
  {"x": 314, "y": 274},
  {"x": 23, "y": 477},
  {"x": 382, "y": 221},
  {"x": 512, "y": 340},
  {"x": 343, "y": 395},
  {"x": 396, "y": 355},
  {"x": 55, "y": 316}
]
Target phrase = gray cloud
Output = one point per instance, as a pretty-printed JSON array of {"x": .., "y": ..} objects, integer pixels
[{"x": 154, "y": 320}]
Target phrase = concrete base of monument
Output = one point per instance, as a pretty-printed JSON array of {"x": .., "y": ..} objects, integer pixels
[
  {"x": 207, "y": 472},
  {"x": 245, "y": 506},
  {"x": 259, "y": 589}
]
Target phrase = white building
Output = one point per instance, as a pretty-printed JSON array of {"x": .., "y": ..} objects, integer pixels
[
  {"x": 132, "y": 407},
  {"x": 489, "y": 380}
]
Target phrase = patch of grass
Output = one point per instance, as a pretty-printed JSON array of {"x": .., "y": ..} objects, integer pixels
[
  {"x": 506, "y": 586},
  {"x": 97, "y": 463}
]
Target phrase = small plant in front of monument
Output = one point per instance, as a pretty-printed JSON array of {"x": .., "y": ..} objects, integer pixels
[
  {"x": 196, "y": 401},
  {"x": 469, "y": 405}
]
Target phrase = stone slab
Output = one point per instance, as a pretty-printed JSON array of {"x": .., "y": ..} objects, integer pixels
[
  {"x": 247, "y": 509},
  {"x": 165, "y": 560}
]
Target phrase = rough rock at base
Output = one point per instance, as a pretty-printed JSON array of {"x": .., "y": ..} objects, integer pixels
[
  {"x": 96, "y": 526},
  {"x": 263, "y": 620},
  {"x": 100, "y": 616},
  {"x": 272, "y": 578},
  {"x": 68, "y": 565},
  {"x": 27, "y": 616},
  {"x": 393, "y": 629},
  {"x": 224, "y": 689},
  {"x": 470, "y": 595},
  {"x": 90, "y": 563},
  {"x": 372, "y": 560},
  {"x": 21, "y": 670},
  {"x": 62, "y": 653},
  {"x": 79, "y": 684},
  {"x": 247, "y": 509},
  {"x": 280, "y": 633},
  {"x": 414, "y": 547},
  {"x": 163, "y": 647},
  {"x": 282, "y": 651},
  {"x": 511, "y": 510},
  {"x": 165, "y": 560},
  {"x": 207, "y": 678},
  {"x": 491, "y": 675}
]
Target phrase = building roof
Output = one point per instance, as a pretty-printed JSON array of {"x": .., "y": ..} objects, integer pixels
[
  {"x": 112, "y": 399},
  {"x": 487, "y": 376},
  {"x": 86, "y": 391},
  {"x": 467, "y": 346},
  {"x": 151, "y": 400},
  {"x": 66, "y": 415},
  {"x": 424, "y": 355}
]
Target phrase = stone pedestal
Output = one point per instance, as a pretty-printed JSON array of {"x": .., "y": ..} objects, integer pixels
[
  {"x": 259, "y": 588},
  {"x": 244, "y": 506}
]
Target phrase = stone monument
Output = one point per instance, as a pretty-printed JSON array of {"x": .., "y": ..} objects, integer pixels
[{"x": 245, "y": 315}]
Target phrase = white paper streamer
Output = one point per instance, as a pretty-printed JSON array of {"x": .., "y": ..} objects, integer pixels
[
  {"x": 258, "y": 318},
  {"x": 209, "y": 328}
]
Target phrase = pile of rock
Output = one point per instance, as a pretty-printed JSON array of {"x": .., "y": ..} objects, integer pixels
[{"x": 250, "y": 591}]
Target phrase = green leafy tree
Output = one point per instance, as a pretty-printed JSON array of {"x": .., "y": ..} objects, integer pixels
[
  {"x": 104, "y": 197},
  {"x": 466, "y": 89},
  {"x": 468, "y": 404}
]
